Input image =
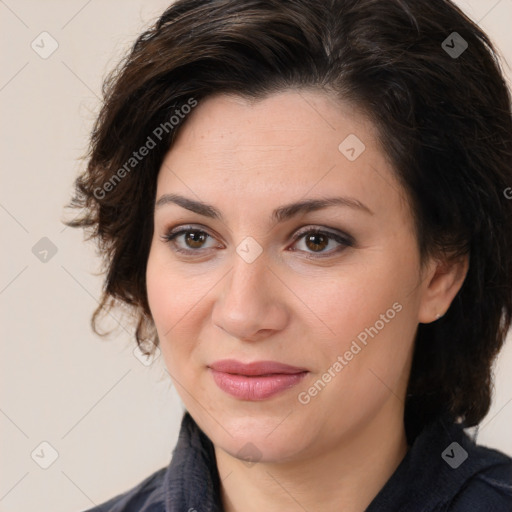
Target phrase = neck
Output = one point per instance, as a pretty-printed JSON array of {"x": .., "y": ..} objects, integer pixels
[{"x": 349, "y": 475}]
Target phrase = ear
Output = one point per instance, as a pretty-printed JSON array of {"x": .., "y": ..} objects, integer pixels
[{"x": 442, "y": 281}]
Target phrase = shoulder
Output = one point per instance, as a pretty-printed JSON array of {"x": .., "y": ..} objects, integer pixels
[
  {"x": 146, "y": 496},
  {"x": 490, "y": 488}
]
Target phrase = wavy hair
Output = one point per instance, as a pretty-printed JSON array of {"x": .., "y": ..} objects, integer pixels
[{"x": 443, "y": 115}]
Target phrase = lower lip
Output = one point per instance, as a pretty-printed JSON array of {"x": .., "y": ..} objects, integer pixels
[{"x": 258, "y": 387}]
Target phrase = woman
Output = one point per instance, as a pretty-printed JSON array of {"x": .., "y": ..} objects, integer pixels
[{"x": 305, "y": 204}]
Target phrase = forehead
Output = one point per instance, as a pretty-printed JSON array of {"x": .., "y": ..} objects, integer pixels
[
  {"x": 279, "y": 121},
  {"x": 284, "y": 147}
]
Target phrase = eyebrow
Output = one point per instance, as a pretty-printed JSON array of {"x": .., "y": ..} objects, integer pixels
[{"x": 280, "y": 214}]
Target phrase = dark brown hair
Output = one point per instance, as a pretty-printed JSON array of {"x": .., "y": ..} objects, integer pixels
[{"x": 444, "y": 120}]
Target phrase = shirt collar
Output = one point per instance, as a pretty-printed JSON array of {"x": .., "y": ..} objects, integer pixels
[
  {"x": 429, "y": 474},
  {"x": 422, "y": 481},
  {"x": 192, "y": 480}
]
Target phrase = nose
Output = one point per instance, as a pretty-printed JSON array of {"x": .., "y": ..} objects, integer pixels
[{"x": 251, "y": 305}]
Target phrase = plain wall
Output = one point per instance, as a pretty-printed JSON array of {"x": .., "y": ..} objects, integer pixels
[{"x": 112, "y": 420}]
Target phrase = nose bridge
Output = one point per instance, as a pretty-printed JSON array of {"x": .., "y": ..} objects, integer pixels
[
  {"x": 250, "y": 268},
  {"x": 248, "y": 281},
  {"x": 248, "y": 302}
]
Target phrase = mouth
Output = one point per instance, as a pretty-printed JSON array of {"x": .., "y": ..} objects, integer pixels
[{"x": 255, "y": 381}]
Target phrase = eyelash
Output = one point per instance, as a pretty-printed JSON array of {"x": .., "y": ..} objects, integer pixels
[{"x": 345, "y": 241}]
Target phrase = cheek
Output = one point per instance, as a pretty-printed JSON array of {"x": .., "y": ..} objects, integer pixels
[
  {"x": 354, "y": 299},
  {"x": 370, "y": 316},
  {"x": 167, "y": 288},
  {"x": 165, "y": 304},
  {"x": 157, "y": 292},
  {"x": 175, "y": 303}
]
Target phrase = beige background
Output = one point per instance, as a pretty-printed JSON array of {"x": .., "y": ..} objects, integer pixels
[{"x": 112, "y": 420}]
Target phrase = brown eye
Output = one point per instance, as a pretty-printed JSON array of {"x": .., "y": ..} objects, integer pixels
[
  {"x": 196, "y": 240},
  {"x": 193, "y": 240},
  {"x": 316, "y": 241}
]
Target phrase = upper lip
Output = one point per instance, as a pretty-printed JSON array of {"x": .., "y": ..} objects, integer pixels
[{"x": 254, "y": 368}]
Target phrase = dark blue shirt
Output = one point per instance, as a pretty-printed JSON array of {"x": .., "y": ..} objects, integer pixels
[{"x": 443, "y": 471}]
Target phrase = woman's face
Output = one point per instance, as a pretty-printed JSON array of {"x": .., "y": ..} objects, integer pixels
[{"x": 254, "y": 285}]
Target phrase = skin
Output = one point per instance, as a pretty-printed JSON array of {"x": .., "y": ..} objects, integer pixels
[{"x": 246, "y": 159}]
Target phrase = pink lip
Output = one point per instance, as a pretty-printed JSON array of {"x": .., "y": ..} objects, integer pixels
[{"x": 255, "y": 381}]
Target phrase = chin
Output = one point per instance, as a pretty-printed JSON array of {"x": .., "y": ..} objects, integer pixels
[
  {"x": 252, "y": 449},
  {"x": 265, "y": 438}
]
